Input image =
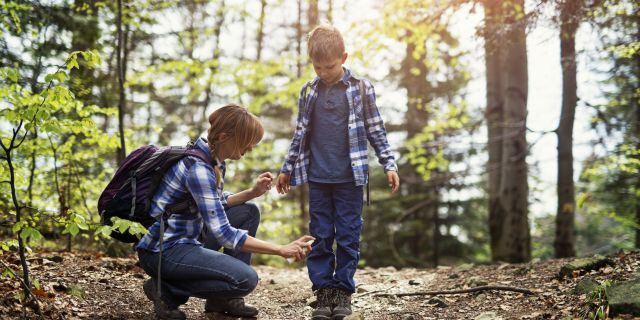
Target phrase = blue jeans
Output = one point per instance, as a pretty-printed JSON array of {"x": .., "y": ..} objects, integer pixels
[
  {"x": 193, "y": 271},
  {"x": 244, "y": 216},
  {"x": 336, "y": 214}
]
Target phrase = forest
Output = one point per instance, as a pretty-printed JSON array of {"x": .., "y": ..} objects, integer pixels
[{"x": 515, "y": 124}]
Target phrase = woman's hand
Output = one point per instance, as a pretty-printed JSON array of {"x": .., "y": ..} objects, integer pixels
[
  {"x": 282, "y": 185},
  {"x": 297, "y": 249},
  {"x": 263, "y": 184}
]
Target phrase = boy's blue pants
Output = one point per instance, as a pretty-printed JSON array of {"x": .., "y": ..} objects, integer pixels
[{"x": 336, "y": 214}]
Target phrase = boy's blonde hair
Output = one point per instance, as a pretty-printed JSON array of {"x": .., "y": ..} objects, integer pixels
[
  {"x": 325, "y": 43},
  {"x": 237, "y": 122}
]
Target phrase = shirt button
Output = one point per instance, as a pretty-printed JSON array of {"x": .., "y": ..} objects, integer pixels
[{"x": 353, "y": 164}]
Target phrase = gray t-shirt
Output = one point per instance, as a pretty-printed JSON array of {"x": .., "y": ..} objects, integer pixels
[{"x": 329, "y": 137}]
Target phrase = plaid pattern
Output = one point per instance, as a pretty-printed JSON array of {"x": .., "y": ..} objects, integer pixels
[
  {"x": 198, "y": 178},
  {"x": 365, "y": 123}
]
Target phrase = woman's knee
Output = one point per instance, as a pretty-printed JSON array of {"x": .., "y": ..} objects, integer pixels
[{"x": 247, "y": 278}]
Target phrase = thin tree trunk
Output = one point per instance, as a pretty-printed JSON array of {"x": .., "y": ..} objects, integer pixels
[
  {"x": 564, "y": 244},
  {"x": 122, "y": 151},
  {"x": 299, "y": 41},
  {"x": 312, "y": 14},
  {"x": 508, "y": 215},
  {"x": 330, "y": 11},
  {"x": 260, "y": 35},
  {"x": 494, "y": 116}
]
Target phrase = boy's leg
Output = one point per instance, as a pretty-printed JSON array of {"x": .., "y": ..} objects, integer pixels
[
  {"x": 321, "y": 260},
  {"x": 245, "y": 216},
  {"x": 348, "y": 203}
]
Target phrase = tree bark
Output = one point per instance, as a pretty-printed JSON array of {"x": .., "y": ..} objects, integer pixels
[
  {"x": 260, "y": 35},
  {"x": 312, "y": 14},
  {"x": 122, "y": 151},
  {"x": 564, "y": 243},
  {"x": 507, "y": 82}
]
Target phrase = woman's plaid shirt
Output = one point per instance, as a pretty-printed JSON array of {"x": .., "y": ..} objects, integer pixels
[
  {"x": 365, "y": 123},
  {"x": 198, "y": 178}
]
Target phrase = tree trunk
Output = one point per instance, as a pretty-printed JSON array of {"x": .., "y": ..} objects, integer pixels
[
  {"x": 564, "y": 244},
  {"x": 312, "y": 14},
  {"x": 122, "y": 151},
  {"x": 508, "y": 78},
  {"x": 299, "y": 41},
  {"x": 260, "y": 36}
]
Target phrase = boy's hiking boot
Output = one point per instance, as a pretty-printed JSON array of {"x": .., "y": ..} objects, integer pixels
[
  {"x": 342, "y": 304},
  {"x": 234, "y": 307},
  {"x": 323, "y": 308},
  {"x": 163, "y": 312}
]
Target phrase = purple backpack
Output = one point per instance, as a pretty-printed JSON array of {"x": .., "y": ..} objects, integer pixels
[{"x": 129, "y": 193}]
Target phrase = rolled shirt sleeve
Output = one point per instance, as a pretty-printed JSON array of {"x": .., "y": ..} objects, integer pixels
[{"x": 200, "y": 181}]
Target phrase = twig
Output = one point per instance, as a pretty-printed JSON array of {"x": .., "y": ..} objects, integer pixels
[
  {"x": 434, "y": 293},
  {"x": 25, "y": 286}
]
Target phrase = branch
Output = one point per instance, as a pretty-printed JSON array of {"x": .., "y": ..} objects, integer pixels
[
  {"x": 435, "y": 293},
  {"x": 25, "y": 285}
]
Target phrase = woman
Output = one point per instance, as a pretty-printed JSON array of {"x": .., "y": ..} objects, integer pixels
[{"x": 186, "y": 268}]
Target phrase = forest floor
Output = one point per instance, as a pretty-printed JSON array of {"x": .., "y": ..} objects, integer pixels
[{"x": 82, "y": 285}]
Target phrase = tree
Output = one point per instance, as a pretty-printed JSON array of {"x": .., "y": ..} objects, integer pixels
[
  {"x": 611, "y": 180},
  {"x": 564, "y": 243},
  {"x": 506, "y": 80}
]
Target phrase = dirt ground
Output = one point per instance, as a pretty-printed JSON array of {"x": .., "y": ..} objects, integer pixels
[{"x": 83, "y": 285}]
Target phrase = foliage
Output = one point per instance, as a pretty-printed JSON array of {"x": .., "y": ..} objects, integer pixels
[{"x": 610, "y": 179}]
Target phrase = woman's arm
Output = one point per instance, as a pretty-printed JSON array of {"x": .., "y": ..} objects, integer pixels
[
  {"x": 263, "y": 184},
  {"x": 297, "y": 249}
]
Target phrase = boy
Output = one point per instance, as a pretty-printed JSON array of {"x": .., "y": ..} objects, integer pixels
[{"x": 329, "y": 151}]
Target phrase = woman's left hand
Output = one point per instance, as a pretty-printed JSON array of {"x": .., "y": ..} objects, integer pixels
[{"x": 263, "y": 184}]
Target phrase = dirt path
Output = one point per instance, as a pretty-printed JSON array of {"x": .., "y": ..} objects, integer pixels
[{"x": 90, "y": 286}]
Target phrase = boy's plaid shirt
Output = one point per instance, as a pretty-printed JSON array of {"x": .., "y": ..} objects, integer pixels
[
  {"x": 365, "y": 123},
  {"x": 198, "y": 178}
]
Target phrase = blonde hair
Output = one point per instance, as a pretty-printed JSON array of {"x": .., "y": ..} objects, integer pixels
[
  {"x": 238, "y": 123},
  {"x": 325, "y": 43}
]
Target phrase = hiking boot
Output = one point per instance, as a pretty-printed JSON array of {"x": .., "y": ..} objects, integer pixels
[
  {"x": 234, "y": 306},
  {"x": 323, "y": 308},
  {"x": 342, "y": 304},
  {"x": 163, "y": 312}
]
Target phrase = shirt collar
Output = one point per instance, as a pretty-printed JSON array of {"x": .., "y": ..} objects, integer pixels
[
  {"x": 203, "y": 145},
  {"x": 345, "y": 78}
]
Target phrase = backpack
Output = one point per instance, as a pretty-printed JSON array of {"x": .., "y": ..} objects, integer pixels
[{"x": 129, "y": 193}]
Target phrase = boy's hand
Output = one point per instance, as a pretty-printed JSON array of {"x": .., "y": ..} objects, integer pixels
[
  {"x": 282, "y": 186},
  {"x": 394, "y": 181},
  {"x": 263, "y": 184}
]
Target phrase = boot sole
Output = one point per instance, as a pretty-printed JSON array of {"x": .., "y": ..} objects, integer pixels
[{"x": 215, "y": 315}]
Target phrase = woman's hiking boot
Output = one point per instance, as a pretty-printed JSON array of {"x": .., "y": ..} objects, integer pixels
[
  {"x": 162, "y": 310},
  {"x": 235, "y": 307},
  {"x": 342, "y": 304},
  {"x": 323, "y": 308}
]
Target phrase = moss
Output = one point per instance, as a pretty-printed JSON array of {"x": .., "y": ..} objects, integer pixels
[{"x": 624, "y": 298}]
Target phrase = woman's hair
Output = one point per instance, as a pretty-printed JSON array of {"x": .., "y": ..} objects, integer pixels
[{"x": 239, "y": 124}]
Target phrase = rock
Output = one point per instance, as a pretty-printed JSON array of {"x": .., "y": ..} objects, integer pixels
[
  {"x": 584, "y": 265},
  {"x": 464, "y": 267},
  {"x": 624, "y": 298},
  {"x": 476, "y": 282},
  {"x": 585, "y": 286},
  {"x": 354, "y": 316},
  {"x": 437, "y": 302},
  {"x": 414, "y": 282},
  {"x": 488, "y": 316}
]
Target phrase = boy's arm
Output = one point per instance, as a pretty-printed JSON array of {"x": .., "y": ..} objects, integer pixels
[
  {"x": 376, "y": 133},
  {"x": 294, "y": 149}
]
